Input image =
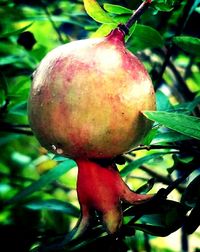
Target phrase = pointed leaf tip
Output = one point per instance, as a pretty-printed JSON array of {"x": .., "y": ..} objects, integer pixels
[
  {"x": 182, "y": 123},
  {"x": 95, "y": 11}
]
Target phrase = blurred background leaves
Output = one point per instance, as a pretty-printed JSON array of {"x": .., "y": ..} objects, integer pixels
[{"x": 38, "y": 201}]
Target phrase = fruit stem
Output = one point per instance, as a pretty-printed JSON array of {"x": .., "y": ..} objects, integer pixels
[{"x": 135, "y": 16}]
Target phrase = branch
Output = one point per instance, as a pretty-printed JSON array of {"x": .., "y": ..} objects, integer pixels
[
  {"x": 183, "y": 88},
  {"x": 159, "y": 177},
  {"x": 170, "y": 50},
  {"x": 16, "y": 130},
  {"x": 163, "y": 179},
  {"x": 153, "y": 147},
  {"x": 52, "y": 22},
  {"x": 141, "y": 9},
  {"x": 178, "y": 148},
  {"x": 135, "y": 16}
]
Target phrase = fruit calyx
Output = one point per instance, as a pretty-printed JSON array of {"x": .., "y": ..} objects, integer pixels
[
  {"x": 116, "y": 35},
  {"x": 101, "y": 189}
]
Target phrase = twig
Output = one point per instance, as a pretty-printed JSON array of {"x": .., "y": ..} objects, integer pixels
[
  {"x": 16, "y": 130},
  {"x": 183, "y": 88},
  {"x": 151, "y": 172},
  {"x": 136, "y": 15},
  {"x": 184, "y": 149},
  {"x": 52, "y": 22},
  {"x": 15, "y": 125},
  {"x": 142, "y": 8},
  {"x": 170, "y": 49},
  {"x": 176, "y": 183},
  {"x": 160, "y": 178},
  {"x": 153, "y": 147}
]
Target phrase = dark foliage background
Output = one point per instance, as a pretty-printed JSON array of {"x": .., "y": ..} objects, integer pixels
[{"x": 38, "y": 202}]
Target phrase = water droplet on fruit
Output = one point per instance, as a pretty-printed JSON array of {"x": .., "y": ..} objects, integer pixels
[
  {"x": 38, "y": 91},
  {"x": 53, "y": 147},
  {"x": 59, "y": 151}
]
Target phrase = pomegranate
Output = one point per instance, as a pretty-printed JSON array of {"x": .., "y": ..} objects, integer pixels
[{"x": 85, "y": 103}]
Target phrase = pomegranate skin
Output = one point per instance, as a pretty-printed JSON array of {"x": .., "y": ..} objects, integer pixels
[{"x": 87, "y": 96}]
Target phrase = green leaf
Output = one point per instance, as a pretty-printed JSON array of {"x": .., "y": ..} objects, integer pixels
[
  {"x": 10, "y": 59},
  {"x": 194, "y": 6},
  {"x": 188, "y": 106},
  {"x": 94, "y": 10},
  {"x": 188, "y": 44},
  {"x": 161, "y": 217},
  {"x": 8, "y": 138},
  {"x": 193, "y": 220},
  {"x": 197, "y": 10},
  {"x": 162, "y": 101},
  {"x": 150, "y": 136},
  {"x": 53, "y": 205},
  {"x": 145, "y": 37},
  {"x": 146, "y": 187},
  {"x": 103, "y": 30},
  {"x": 59, "y": 158},
  {"x": 192, "y": 193},
  {"x": 169, "y": 137},
  {"x": 116, "y": 9},
  {"x": 45, "y": 179},
  {"x": 3, "y": 83},
  {"x": 138, "y": 162},
  {"x": 16, "y": 32},
  {"x": 184, "y": 124},
  {"x": 19, "y": 109},
  {"x": 162, "y": 7}
]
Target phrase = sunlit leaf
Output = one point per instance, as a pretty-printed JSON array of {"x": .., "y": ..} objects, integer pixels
[
  {"x": 116, "y": 9},
  {"x": 162, "y": 6},
  {"x": 16, "y": 32},
  {"x": 10, "y": 59},
  {"x": 94, "y": 10},
  {"x": 185, "y": 124},
  {"x": 140, "y": 161},
  {"x": 103, "y": 30}
]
